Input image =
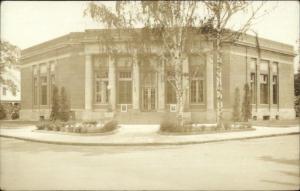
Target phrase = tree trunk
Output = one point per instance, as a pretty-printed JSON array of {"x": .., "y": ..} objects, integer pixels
[
  {"x": 179, "y": 111},
  {"x": 219, "y": 84}
]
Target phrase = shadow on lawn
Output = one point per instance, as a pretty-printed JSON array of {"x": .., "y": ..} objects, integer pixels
[
  {"x": 280, "y": 183},
  {"x": 281, "y": 160}
]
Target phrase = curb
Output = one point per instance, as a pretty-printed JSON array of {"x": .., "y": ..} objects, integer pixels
[{"x": 145, "y": 144}]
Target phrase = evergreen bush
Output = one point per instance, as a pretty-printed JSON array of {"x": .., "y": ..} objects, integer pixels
[
  {"x": 246, "y": 106},
  {"x": 64, "y": 106},
  {"x": 236, "y": 106},
  {"x": 55, "y": 104},
  {"x": 2, "y": 112}
]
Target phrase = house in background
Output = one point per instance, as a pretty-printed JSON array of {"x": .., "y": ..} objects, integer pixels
[
  {"x": 134, "y": 88},
  {"x": 10, "y": 97}
]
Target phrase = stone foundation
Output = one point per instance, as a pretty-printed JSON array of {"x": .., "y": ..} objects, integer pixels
[{"x": 134, "y": 116}]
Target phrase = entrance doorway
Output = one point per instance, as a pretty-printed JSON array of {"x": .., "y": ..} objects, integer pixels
[{"x": 148, "y": 98}]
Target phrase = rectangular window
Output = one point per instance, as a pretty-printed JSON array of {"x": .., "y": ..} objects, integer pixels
[
  {"x": 275, "y": 90},
  {"x": 264, "y": 93},
  {"x": 253, "y": 80},
  {"x": 197, "y": 92},
  {"x": 4, "y": 90},
  {"x": 125, "y": 87},
  {"x": 197, "y": 82},
  {"x": 253, "y": 87},
  {"x": 101, "y": 88},
  {"x": 171, "y": 92},
  {"x": 52, "y": 84},
  {"x": 44, "y": 92},
  {"x": 35, "y": 91}
]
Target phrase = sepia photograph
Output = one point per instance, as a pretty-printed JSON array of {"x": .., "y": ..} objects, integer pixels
[{"x": 150, "y": 95}]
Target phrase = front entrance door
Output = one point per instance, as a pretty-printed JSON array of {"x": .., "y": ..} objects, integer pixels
[{"x": 148, "y": 101}]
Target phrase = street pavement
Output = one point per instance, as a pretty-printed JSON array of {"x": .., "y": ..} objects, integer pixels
[{"x": 262, "y": 164}]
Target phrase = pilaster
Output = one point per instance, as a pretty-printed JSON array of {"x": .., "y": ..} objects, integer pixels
[
  {"x": 112, "y": 81},
  {"x": 88, "y": 82}
]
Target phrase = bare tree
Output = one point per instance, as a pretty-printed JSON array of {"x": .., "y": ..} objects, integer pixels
[
  {"x": 167, "y": 23},
  {"x": 219, "y": 28}
]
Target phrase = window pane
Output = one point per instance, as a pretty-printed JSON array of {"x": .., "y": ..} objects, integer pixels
[
  {"x": 44, "y": 94},
  {"x": 4, "y": 91},
  {"x": 125, "y": 92},
  {"x": 193, "y": 91},
  {"x": 253, "y": 88},
  {"x": 274, "y": 67},
  {"x": 253, "y": 64},
  {"x": 171, "y": 94},
  {"x": 275, "y": 90},
  {"x": 264, "y": 94},
  {"x": 264, "y": 66},
  {"x": 43, "y": 69},
  {"x": 35, "y": 91},
  {"x": 200, "y": 91}
]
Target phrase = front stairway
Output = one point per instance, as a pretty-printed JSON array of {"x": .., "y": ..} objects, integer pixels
[{"x": 142, "y": 117}]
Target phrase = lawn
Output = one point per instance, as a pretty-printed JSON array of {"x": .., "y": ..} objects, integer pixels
[
  {"x": 277, "y": 123},
  {"x": 16, "y": 123}
]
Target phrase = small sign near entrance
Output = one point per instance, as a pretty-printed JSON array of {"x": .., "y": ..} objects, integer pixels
[{"x": 173, "y": 108}]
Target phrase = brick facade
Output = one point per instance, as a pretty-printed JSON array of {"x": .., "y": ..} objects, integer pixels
[{"x": 74, "y": 57}]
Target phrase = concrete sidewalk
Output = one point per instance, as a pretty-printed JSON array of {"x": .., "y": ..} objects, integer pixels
[{"x": 131, "y": 135}]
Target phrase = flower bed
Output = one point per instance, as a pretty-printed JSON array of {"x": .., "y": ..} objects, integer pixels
[
  {"x": 170, "y": 127},
  {"x": 88, "y": 127}
]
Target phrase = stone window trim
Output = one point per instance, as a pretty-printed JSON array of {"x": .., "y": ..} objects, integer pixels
[{"x": 198, "y": 76}]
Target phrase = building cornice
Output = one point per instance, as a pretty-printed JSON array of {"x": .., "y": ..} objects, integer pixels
[{"x": 88, "y": 37}]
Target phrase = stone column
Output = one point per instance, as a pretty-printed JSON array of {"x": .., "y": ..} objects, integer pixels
[
  {"x": 88, "y": 82},
  {"x": 209, "y": 82},
  {"x": 136, "y": 83},
  {"x": 210, "y": 88},
  {"x": 257, "y": 84},
  {"x": 161, "y": 87},
  {"x": 270, "y": 85},
  {"x": 185, "y": 70},
  {"x": 112, "y": 81}
]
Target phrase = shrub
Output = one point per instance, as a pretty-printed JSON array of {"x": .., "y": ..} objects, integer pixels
[
  {"x": 2, "y": 112},
  {"x": 40, "y": 127},
  {"x": 55, "y": 104},
  {"x": 64, "y": 106},
  {"x": 236, "y": 107},
  {"x": 227, "y": 125},
  {"x": 110, "y": 126},
  {"x": 168, "y": 126},
  {"x": 246, "y": 106},
  {"x": 92, "y": 122},
  {"x": 15, "y": 115}
]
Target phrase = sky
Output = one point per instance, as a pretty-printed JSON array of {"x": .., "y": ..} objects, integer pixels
[{"x": 25, "y": 24}]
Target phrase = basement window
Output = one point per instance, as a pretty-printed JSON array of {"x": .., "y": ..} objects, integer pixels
[{"x": 266, "y": 117}]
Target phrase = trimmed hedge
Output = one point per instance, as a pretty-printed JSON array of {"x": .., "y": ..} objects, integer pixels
[
  {"x": 189, "y": 127},
  {"x": 76, "y": 127}
]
